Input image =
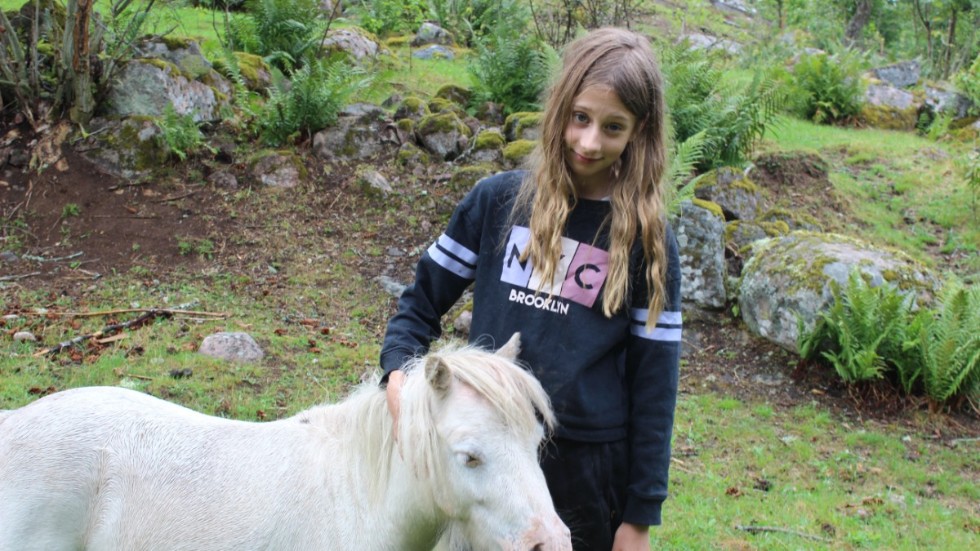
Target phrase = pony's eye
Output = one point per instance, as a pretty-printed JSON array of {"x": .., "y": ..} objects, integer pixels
[{"x": 469, "y": 459}]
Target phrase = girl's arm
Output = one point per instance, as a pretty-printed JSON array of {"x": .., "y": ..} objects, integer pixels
[{"x": 652, "y": 363}]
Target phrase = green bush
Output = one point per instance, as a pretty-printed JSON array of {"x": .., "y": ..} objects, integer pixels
[
  {"x": 733, "y": 117},
  {"x": 968, "y": 83},
  {"x": 387, "y": 17},
  {"x": 865, "y": 331},
  {"x": 950, "y": 344},
  {"x": 511, "y": 69},
  {"x": 310, "y": 102},
  {"x": 180, "y": 134},
  {"x": 830, "y": 87},
  {"x": 468, "y": 20},
  {"x": 285, "y": 32}
]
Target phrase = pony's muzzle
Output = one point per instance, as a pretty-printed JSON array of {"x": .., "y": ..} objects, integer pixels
[{"x": 550, "y": 534}]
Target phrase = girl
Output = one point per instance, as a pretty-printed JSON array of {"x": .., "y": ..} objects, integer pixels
[{"x": 576, "y": 254}]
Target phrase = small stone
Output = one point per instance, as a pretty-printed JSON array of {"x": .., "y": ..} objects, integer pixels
[
  {"x": 24, "y": 336},
  {"x": 239, "y": 347}
]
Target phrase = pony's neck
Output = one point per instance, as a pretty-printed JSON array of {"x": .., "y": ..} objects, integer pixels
[{"x": 404, "y": 514}]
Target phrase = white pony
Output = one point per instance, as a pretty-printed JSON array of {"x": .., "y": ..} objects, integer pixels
[{"x": 111, "y": 469}]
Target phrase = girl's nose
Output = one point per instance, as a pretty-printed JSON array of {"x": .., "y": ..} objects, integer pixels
[{"x": 589, "y": 141}]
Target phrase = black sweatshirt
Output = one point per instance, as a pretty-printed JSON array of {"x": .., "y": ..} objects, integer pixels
[{"x": 608, "y": 378}]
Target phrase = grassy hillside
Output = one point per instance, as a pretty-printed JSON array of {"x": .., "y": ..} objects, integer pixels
[{"x": 767, "y": 457}]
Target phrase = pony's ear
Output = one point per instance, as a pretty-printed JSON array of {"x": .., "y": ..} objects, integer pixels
[
  {"x": 511, "y": 348},
  {"x": 437, "y": 373}
]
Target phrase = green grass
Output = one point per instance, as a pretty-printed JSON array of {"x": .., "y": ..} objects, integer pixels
[
  {"x": 804, "y": 473},
  {"x": 399, "y": 73},
  {"x": 909, "y": 191}
]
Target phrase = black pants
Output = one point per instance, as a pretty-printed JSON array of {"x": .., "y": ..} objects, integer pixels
[{"x": 587, "y": 482}]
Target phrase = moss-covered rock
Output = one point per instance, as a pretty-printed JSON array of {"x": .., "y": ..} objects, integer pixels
[
  {"x": 790, "y": 276},
  {"x": 738, "y": 196},
  {"x": 413, "y": 108},
  {"x": 487, "y": 147},
  {"x": 372, "y": 183},
  {"x": 517, "y": 152},
  {"x": 129, "y": 148},
  {"x": 442, "y": 105},
  {"x": 281, "y": 169},
  {"x": 523, "y": 125},
  {"x": 889, "y": 118},
  {"x": 253, "y": 70},
  {"x": 455, "y": 94},
  {"x": 410, "y": 154},
  {"x": 465, "y": 177},
  {"x": 443, "y": 134},
  {"x": 793, "y": 220},
  {"x": 710, "y": 206},
  {"x": 699, "y": 232}
]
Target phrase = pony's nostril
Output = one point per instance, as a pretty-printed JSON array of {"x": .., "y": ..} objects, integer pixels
[{"x": 538, "y": 547}]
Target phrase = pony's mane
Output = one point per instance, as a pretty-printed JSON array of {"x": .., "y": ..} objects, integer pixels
[{"x": 509, "y": 389}]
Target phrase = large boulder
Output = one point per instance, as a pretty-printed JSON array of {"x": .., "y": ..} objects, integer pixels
[
  {"x": 738, "y": 197},
  {"x": 940, "y": 99},
  {"x": 351, "y": 41},
  {"x": 355, "y": 136},
  {"x": 790, "y": 276},
  {"x": 168, "y": 74},
  {"x": 889, "y": 107},
  {"x": 902, "y": 74},
  {"x": 430, "y": 33},
  {"x": 127, "y": 148},
  {"x": 523, "y": 125},
  {"x": 701, "y": 238},
  {"x": 444, "y": 135}
]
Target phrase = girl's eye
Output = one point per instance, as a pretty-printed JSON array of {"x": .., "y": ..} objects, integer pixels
[
  {"x": 580, "y": 118},
  {"x": 615, "y": 128}
]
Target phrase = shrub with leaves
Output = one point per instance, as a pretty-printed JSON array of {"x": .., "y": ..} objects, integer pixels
[
  {"x": 830, "y": 87},
  {"x": 968, "y": 83},
  {"x": 180, "y": 134},
  {"x": 309, "y": 102},
  {"x": 511, "y": 69},
  {"x": 387, "y": 17},
  {"x": 865, "y": 331},
  {"x": 58, "y": 57},
  {"x": 733, "y": 117},
  {"x": 950, "y": 344},
  {"x": 468, "y": 20},
  {"x": 284, "y": 32}
]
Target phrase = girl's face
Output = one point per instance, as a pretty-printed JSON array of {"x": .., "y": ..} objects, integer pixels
[{"x": 595, "y": 137}]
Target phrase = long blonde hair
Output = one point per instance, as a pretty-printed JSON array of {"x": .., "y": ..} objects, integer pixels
[{"x": 624, "y": 62}]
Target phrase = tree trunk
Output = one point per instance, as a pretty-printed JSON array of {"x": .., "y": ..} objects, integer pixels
[
  {"x": 925, "y": 25},
  {"x": 83, "y": 99},
  {"x": 862, "y": 14},
  {"x": 950, "y": 38}
]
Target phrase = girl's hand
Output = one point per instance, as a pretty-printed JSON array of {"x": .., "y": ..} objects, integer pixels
[
  {"x": 393, "y": 397},
  {"x": 632, "y": 537}
]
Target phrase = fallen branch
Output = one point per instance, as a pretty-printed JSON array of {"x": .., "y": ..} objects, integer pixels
[
  {"x": 753, "y": 529},
  {"x": 181, "y": 309},
  {"x": 16, "y": 277},
  {"x": 175, "y": 197},
  {"x": 147, "y": 315},
  {"x": 57, "y": 259},
  {"x": 106, "y": 331},
  {"x": 170, "y": 311}
]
